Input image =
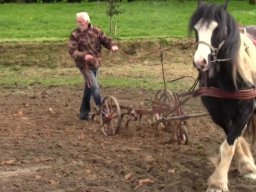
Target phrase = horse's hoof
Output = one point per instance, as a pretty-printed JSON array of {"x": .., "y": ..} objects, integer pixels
[
  {"x": 251, "y": 175},
  {"x": 248, "y": 170},
  {"x": 210, "y": 189},
  {"x": 213, "y": 190},
  {"x": 217, "y": 188}
]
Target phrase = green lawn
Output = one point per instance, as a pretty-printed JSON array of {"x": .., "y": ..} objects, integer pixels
[
  {"x": 54, "y": 22},
  {"x": 143, "y": 19}
]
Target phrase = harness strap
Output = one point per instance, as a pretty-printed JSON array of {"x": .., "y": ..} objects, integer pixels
[
  {"x": 214, "y": 51},
  {"x": 218, "y": 93}
]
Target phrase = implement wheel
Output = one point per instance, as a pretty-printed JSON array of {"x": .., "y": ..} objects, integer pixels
[
  {"x": 165, "y": 96},
  {"x": 110, "y": 116},
  {"x": 182, "y": 135}
]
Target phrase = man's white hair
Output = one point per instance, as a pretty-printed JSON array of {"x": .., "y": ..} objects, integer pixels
[{"x": 83, "y": 15}]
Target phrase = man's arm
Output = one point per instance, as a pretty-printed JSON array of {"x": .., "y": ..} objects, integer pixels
[
  {"x": 106, "y": 41},
  {"x": 77, "y": 55}
]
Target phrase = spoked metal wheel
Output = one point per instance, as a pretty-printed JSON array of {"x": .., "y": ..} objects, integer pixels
[
  {"x": 182, "y": 135},
  {"x": 164, "y": 101},
  {"x": 145, "y": 120},
  {"x": 110, "y": 116},
  {"x": 165, "y": 96},
  {"x": 170, "y": 103}
]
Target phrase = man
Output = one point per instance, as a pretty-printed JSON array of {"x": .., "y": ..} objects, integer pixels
[{"x": 85, "y": 48}]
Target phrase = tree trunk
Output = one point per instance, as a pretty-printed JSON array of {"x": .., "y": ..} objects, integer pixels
[
  {"x": 110, "y": 24},
  {"x": 252, "y": 2},
  {"x": 116, "y": 28}
]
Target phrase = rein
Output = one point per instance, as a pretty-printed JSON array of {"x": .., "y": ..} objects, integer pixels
[
  {"x": 154, "y": 52},
  {"x": 157, "y": 51}
]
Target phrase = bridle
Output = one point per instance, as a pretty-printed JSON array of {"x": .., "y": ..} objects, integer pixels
[{"x": 214, "y": 51}]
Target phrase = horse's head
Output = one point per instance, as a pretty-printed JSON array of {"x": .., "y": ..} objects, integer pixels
[{"x": 210, "y": 23}]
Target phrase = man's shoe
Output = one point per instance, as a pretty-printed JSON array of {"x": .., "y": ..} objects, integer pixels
[
  {"x": 85, "y": 117},
  {"x": 97, "y": 110}
]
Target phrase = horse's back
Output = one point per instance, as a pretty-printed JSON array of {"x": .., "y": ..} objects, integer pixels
[
  {"x": 251, "y": 30},
  {"x": 247, "y": 56}
]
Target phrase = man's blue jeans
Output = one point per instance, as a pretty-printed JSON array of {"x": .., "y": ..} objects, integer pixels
[{"x": 93, "y": 91}]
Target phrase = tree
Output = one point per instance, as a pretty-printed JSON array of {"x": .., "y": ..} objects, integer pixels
[
  {"x": 253, "y": 2},
  {"x": 112, "y": 9}
]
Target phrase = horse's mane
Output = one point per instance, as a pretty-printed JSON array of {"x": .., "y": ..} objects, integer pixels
[{"x": 241, "y": 61}]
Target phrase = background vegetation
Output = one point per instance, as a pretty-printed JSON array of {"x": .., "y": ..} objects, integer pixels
[
  {"x": 34, "y": 38},
  {"x": 139, "y": 19}
]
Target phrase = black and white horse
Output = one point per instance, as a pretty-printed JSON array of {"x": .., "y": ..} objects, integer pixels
[{"x": 226, "y": 60}]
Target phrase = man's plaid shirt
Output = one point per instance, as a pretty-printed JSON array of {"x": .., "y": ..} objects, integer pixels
[{"x": 88, "y": 42}]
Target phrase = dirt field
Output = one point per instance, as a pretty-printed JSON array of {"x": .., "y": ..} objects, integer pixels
[{"x": 45, "y": 147}]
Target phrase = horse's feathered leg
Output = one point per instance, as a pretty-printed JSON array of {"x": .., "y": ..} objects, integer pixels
[
  {"x": 218, "y": 181},
  {"x": 244, "y": 159}
]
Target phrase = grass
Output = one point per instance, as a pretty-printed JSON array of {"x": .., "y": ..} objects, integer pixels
[
  {"x": 27, "y": 76},
  {"x": 142, "y": 19},
  {"x": 124, "y": 77},
  {"x": 54, "y": 22}
]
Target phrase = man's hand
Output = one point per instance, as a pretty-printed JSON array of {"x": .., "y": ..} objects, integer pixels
[
  {"x": 114, "y": 48},
  {"x": 88, "y": 57}
]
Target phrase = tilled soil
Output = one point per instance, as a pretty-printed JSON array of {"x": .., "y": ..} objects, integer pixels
[{"x": 45, "y": 147}]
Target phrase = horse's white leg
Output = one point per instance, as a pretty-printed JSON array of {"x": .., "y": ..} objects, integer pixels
[
  {"x": 218, "y": 181},
  {"x": 244, "y": 159}
]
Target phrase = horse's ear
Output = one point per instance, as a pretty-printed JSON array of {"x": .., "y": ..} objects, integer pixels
[
  {"x": 200, "y": 3},
  {"x": 226, "y": 4}
]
